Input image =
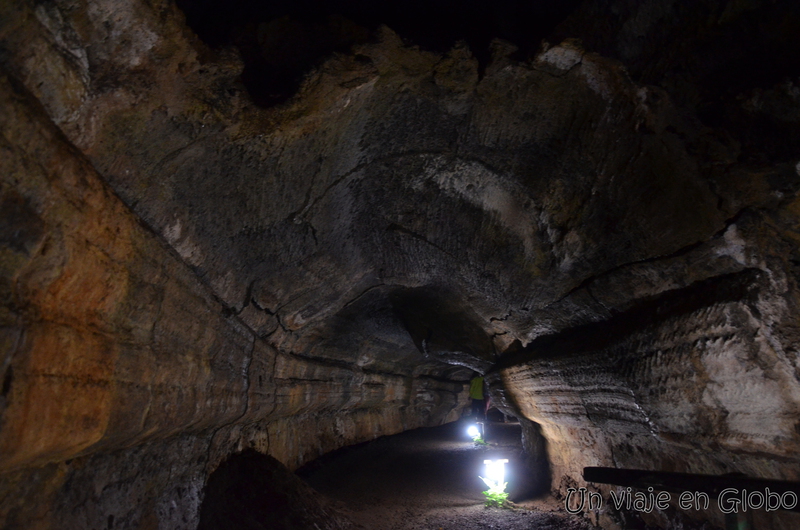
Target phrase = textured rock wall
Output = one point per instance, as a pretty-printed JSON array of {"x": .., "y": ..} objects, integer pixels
[
  {"x": 698, "y": 378},
  {"x": 624, "y": 268},
  {"x": 690, "y": 363},
  {"x": 125, "y": 382}
]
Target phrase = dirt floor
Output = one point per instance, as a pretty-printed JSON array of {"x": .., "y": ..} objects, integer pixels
[{"x": 428, "y": 479}]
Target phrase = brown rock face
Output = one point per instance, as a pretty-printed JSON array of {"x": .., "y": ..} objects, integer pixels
[{"x": 186, "y": 274}]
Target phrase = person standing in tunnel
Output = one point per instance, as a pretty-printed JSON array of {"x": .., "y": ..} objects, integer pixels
[{"x": 476, "y": 393}]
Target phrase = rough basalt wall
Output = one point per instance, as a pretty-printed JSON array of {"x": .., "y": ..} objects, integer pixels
[
  {"x": 186, "y": 274},
  {"x": 700, "y": 377},
  {"x": 126, "y": 381}
]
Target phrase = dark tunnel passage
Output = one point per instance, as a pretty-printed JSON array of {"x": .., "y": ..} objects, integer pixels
[
  {"x": 252, "y": 254},
  {"x": 425, "y": 478}
]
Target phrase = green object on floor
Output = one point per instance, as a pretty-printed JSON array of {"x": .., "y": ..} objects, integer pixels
[{"x": 496, "y": 494}]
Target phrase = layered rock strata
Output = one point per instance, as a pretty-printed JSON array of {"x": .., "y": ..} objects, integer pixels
[
  {"x": 126, "y": 381},
  {"x": 187, "y": 274}
]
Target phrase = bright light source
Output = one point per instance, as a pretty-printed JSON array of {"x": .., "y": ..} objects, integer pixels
[
  {"x": 496, "y": 494},
  {"x": 473, "y": 431},
  {"x": 495, "y": 470}
]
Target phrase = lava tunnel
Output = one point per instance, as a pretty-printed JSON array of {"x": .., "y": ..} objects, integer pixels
[{"x": 253, "y": 253}]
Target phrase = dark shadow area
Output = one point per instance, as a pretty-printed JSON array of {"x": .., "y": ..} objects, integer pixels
[
  {"x": 534, "y": 459},
  {"x": 735, "y": 63},
  {"x": 281, "y": 41},
  {"x": 442, "y": 327},
  {"x": 739, "y": 286},
  {"x": 251, "y": 491}
]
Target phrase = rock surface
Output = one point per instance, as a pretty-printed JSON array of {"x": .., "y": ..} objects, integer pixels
[
  {"x": 125, "y": 380},
  {"x": 186, "y": 274},
  {"x": 252, "y": 491}
]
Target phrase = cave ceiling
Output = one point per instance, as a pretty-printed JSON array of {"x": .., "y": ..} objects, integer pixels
[
  {"x": 447, "y": 185},
  {"x": 408, "y": 183}
]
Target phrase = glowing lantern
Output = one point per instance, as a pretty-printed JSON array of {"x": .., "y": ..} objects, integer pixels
[{"x": 495, "y": 470}]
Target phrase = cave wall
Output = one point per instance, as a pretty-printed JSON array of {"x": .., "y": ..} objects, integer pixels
[
  {"x": 700, "y": 377},
  {"x": 125, "y": 380},
  {"x": 189, "y": 274}
]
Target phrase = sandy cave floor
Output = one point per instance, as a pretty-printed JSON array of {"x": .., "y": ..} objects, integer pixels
[{"x": 428, "y": 479}]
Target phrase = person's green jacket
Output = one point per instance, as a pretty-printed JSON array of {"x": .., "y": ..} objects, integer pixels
[{"x": 476, "y": 388}]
